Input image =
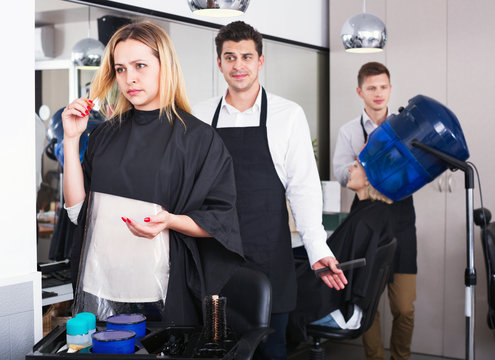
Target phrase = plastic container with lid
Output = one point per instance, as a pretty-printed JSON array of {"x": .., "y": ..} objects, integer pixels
[
  {"x": 134, "y": 322},
  {"x": 90, "y": 320},
  {"x": 114, "y": 342},
  {"x": 396, "y": 168},
  {"x": 77, "y": 334}
]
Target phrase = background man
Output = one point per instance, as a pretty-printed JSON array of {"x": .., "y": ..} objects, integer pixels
[
  {"x": 268, "y": 138},
  {"x": 374, "y": 88}
]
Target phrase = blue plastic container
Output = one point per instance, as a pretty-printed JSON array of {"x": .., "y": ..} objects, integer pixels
[
  {"x": 134, "y": 322},
  {"x": 397, "y": 169},
  {"x": 114, "y": 342}
]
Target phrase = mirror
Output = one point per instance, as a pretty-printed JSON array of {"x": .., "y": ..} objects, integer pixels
[{"x": 58, "y": 81}]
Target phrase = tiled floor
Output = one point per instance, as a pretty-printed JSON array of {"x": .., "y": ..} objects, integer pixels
[{"x": 345, "y": 351}]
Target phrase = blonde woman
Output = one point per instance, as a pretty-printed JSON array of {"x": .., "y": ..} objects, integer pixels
[{"x": 154, "y": 198}]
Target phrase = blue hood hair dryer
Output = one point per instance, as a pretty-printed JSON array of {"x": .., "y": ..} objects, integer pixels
[
  {"x": 411, "y": 149},
  {"x": 394, "y": 165}
]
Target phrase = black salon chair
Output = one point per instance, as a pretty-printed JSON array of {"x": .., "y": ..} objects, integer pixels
[
  {"x": 482, "y": 218},
  {"x": 249, "y": 299},
  {"x": 379, "y": 278}
]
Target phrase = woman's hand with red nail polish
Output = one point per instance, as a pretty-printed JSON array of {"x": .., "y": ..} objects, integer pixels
[
  {"x": 75, "y": 118},
  {"x": 154, "y": 225}
]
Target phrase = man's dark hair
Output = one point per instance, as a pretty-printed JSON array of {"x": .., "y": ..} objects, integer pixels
[
  {"x": 371, "y": 69},
  {"x": 238, "y": 31}
]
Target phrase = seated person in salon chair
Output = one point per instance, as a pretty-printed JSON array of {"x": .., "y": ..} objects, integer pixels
[{"x": 365, "y": 229}]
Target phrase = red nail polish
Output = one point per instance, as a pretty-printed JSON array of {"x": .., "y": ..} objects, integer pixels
[
  {"x": 128, "y": 220},
  {"x": 89, "y": 108},
  {"x": 123, "y": 219},
  {"x": 87, "y": 112},
  {"x": 146, "y": 219},
  {"x": 90, "y": 101}
]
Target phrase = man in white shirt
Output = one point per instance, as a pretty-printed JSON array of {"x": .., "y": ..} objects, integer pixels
[
  {"x": 374, "y": 88},
  {"x": 268, "y": 138}
]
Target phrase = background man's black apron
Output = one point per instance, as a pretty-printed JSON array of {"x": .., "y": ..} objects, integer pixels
[{"x": 262, "y": 209}]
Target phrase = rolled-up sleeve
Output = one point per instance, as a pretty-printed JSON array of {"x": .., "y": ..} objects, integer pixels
[
  {"x": 73, "y": 211},
  {"x": 343, "y": 157},
  {"x": 303, "y": 189}
]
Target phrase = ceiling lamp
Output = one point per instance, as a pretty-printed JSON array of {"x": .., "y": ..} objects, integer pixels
[
  {"x": 88, "y": 51},
  {"x": 218, "y": 8},
  {"x": 364, "y": 33}
]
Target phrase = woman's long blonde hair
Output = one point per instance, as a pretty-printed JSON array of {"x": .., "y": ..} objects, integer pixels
[
  {"x": 173, "y": 94},
  {"x": 374, "y": 194}
]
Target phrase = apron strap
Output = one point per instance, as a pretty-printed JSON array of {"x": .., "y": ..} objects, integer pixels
[
  {"x": 365, "y": 134},
  {"x": 217, "y": 113},
  {"x": 263, "y": 108}
]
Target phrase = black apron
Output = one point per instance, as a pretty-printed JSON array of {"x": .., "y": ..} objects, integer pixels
[
  {"x": 262, "y": 209},
  {"x": 403, "y": 219}
]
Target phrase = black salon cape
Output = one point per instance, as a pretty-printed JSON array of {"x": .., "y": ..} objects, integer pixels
[
  {"x": 403, "y": 219},
  {"x": 365, "y": 229},
  {"x": 188, "y": 171}
]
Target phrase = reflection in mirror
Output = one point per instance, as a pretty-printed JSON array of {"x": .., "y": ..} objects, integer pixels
[
  {"x": 44, "y": 112},
  {"x": 51, "y": 88}
]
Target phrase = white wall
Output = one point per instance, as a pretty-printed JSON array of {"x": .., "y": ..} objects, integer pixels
[
  {"x": 17, "y": 187},
  {"x": 440, "y": 49},
  {"x": 303, "y": 21},
  {"x": 17, "y": 213}
]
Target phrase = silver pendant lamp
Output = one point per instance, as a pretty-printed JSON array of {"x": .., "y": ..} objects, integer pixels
[
  {"x": 218, "y": 8},
  {"x": 88, "y": 51},
  {"x": 364, "y": 33}
]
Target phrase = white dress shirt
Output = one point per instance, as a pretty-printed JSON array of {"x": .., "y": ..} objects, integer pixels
[
  {"x": 350, "y": 141},
  {"x": 289, "y": 142}
]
